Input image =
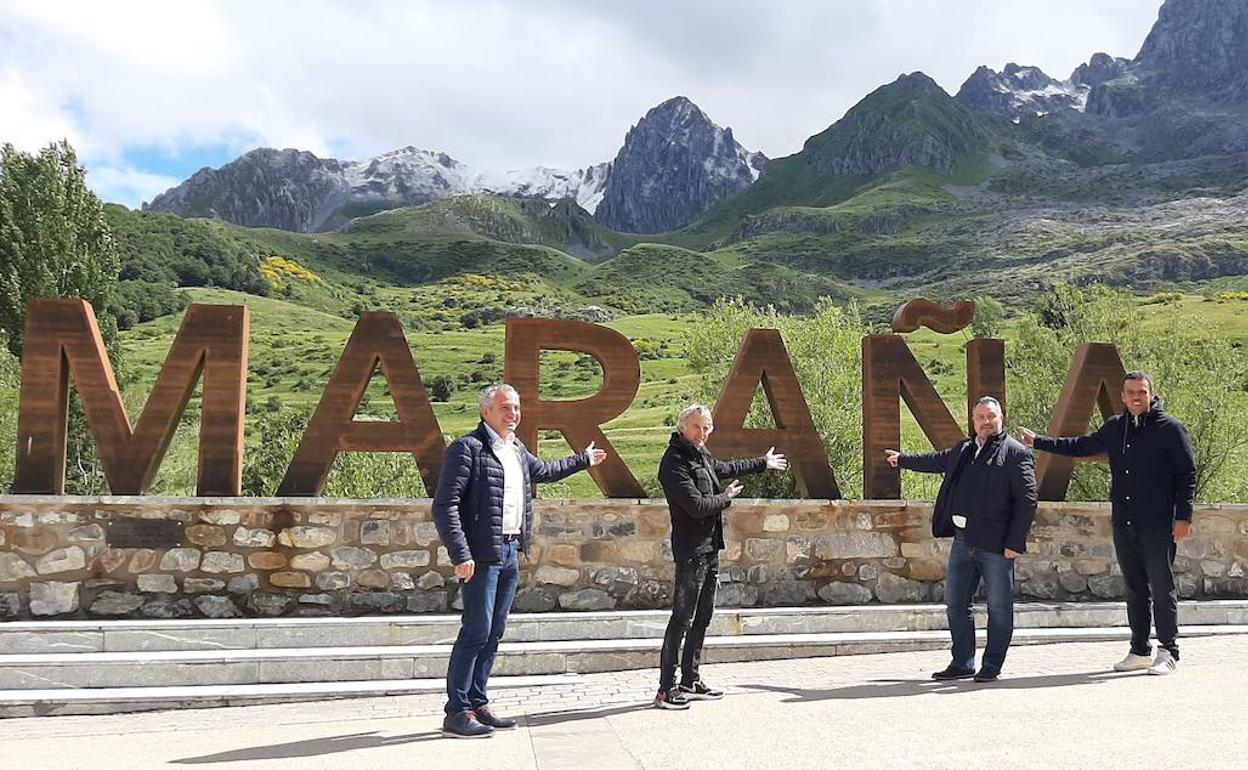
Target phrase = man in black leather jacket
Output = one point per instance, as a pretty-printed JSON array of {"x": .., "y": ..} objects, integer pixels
[{"x": 693, "y": 481}]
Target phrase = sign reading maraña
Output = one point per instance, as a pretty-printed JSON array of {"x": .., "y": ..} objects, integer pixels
[{"x": 63, "y": 339}]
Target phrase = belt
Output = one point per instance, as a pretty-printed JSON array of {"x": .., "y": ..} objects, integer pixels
[{"x": 510, "y": 538}]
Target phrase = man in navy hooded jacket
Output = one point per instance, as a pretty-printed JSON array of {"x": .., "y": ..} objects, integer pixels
[
  {"x": 483, "y": 510},
  {"x": 1153, "y": 470}
]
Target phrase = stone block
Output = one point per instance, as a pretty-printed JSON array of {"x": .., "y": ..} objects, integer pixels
[
  {"x": 637, "y": 550},
  {"x": 776, "y": 522},
  {"x": 180, "y": 560},
  {"x": 14, "y": 568},
  {"x": 205, "y": 535},
  {"x": 194, "y": 585},
  {"x": 333, "y": 581},
  {"x": 855, "y": 545},
  {"x": 788, "y": 593},
  {"x": 34, "y": 541},
  {"x": 91, "y": 532},
  {"x": 586, "y": 599},
  {"x": 1107, "y": 586},
  {"x": 312, "y": 562},
  {"x": 404, "y": 559},
  {"x": 841, "y": 593},
  {"x": 165, "y": 609},
  {"x": 400, "y": 581},
  {"x": 220, "y": 516},
  {"x": 762, "y": 549},
  {"x": 617, "y": 579},
  {"x": 377, "y": 601},
  {"x": 735, "y": 595},
  {"x": 435, "y": 601},
  {"x": 304, "y": 536},
  {"x": 10, "y": 605},
  {"x": 266, "y": 560},
  {"x": 326, "y": 518},
  {"x": 243, "y": 584},
  {"x": 217, "y": 607},
  {"x": 926, "y": 569},
  {"x": 269, "y": 604},
  {"x": 157, "y": 584},
  {"x": 650, "y": 595},
  {"x": 253, "y": 538},
  {"x": 559, "y": 576},
  {"x": 55, "y": 597},
  {"x": 598, "y": 551},
  {"x": 218, "y": 562},
  {"x": 61, "y": 560},
  {"x": 290, "y": 580},
  {"x": 373, "y": 578},
  {"x": 375, "y": 532},
  {"x": 352, "y": 557},
  {"x": 115, "y": 603},
  {"x": 143, "y": 559},
  {"x": 894, "y": 589},
  {"x": 424, "y": 532},
  {"x": 431, "y": 579},
  {"x": 1072, "y": 582}
]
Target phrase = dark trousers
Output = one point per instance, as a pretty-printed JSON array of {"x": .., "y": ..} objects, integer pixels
[
  {"x": 693, "y": 602},
  {"x": 1146, "y": 556},
  {"x": 487, "y": 600},
  {"x": 967, "y": 566}
]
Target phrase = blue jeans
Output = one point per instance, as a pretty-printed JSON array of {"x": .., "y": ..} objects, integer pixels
[
  {"x": 487, "y": 600},
  {"x": 967, "y": 565}
]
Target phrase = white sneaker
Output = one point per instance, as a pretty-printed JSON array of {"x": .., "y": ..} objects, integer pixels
[
  {"x": 1164, "y": 663},
  {"x": 1133, "y": 662}
]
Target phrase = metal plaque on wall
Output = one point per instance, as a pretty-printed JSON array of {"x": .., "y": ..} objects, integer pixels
[{"x": 143, "y": 533}]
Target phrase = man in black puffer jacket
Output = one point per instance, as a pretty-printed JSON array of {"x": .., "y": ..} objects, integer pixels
[
  {"x": 986, "y": 503},
  {"x": 1153, "y": 471},
  {"x": 483, "y": 510},
  {"x": 693, "y": 481}
]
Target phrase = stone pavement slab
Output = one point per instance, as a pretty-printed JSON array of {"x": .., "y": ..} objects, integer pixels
[{"x": 1058, "y": 706}]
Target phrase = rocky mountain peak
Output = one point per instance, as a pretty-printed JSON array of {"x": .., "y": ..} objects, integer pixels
[
  {"x": 674, "y": 164},
  {"x": 1199, "y": 45},
  {"x": 1018, "y": 90},
  {"x": 909, "y": 122},
  {"x": 1101, "y": 68}
]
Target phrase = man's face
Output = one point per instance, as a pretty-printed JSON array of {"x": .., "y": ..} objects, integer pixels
[
  {"x": 503, "y": 413},
  {"x": 987, "y": 421},
  {"x": 1137, "y": 395},
  {"x": 697, "y": 429}
]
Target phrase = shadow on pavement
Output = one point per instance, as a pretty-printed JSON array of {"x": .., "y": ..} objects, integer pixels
[
  {"x": 896, "y": 688},
  {"x": 356, "y": 741},
  {"x": 310, "y": 748}
]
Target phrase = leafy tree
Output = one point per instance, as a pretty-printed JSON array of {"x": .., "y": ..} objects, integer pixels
[
  {"x": 55, "y": 242},
  {"x": 989, "y": 318},
  {"x": 1199, "y": 374}
]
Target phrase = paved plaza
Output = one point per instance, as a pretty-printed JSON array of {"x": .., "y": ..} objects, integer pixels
[{"x": 1058, "y": 706}]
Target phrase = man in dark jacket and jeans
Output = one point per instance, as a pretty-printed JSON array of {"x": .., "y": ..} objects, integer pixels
[
  {"x": 1153, "y": 471},
  {"x": 483, "y": 510},
  {"x": 986, "y": 502},
  {"x": 693, "y": 481}
]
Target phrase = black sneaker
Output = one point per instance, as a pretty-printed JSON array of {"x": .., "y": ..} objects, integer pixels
[
  {"x": 700, "y": 691},
  {"x": 987, "y": 675},
  {"x": 465, "y": 725},
  {"x": 487, "y": 718},
  {"x": 671, "y": 699},
  {"x": 954, "y": 673}
]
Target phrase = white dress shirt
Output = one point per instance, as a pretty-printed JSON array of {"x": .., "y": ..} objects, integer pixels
[{"x": 507, "y": 450}]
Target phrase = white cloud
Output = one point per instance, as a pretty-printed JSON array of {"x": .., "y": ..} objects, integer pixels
[
  {"x": 553, "y": 82},
  {"x": 126, "y": 185}
]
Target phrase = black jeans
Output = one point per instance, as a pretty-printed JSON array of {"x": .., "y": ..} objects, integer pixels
[
  {"x": 1146, "y": 556},
  {"x": 693, "y": 602}
]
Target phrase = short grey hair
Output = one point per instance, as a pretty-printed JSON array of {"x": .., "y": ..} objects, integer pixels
[
  {"x": 487, "y": 396},
  {"x": 990, "y": 401},
  {"x": 690, "y": 411}
]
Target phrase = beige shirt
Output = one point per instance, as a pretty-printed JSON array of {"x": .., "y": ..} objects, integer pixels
[{"x": 507, "y": 450}]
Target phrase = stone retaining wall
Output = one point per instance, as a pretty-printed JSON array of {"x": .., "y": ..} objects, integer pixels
[{"x": 299, "y": 556}]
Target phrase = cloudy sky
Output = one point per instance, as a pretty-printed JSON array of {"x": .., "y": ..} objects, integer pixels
[{"x": 150, "y": 92}]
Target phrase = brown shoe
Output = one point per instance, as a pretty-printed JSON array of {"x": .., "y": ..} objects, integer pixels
[{"x": 487, "y": 718}]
